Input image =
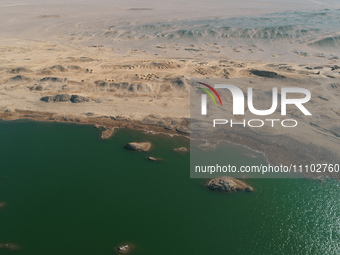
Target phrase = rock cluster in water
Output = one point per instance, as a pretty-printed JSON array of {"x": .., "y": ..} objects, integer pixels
[
  {"x": 138, "y": 146},
  {"x": 227, "y": 184}
]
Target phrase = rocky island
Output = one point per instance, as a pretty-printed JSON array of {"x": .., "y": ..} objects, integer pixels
[
  {"x": 227, "y": 184},
  {"x": 145, "y": 146}
]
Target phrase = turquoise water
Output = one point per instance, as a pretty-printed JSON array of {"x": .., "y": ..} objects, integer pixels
[{"x": 69, "y": 192}]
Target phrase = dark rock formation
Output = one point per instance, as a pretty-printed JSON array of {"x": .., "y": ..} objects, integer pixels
[
  {"x": 227, "y": 184},
  {"x": 56, "y": 98},
  {"x": 37, "y": 87},
  {"x": 19, "y": 78},
  {"x": 138, "y": 146},
  {"x": 47, "y": 99},
  {"x": 335, "y": 68},
  {"x": 65, "y": 98},
  {"x": 53, "y": 79},
  {"x": 79, "y": 99},
  {"x": 20, "y": 70},
  {"x": 59, "y": 68},
  {"x": 266, "y": 74},
  {"x": 61, "y": 98},
  {"x": 183, "y": 130},
  {"x": 103, "y": 84}
]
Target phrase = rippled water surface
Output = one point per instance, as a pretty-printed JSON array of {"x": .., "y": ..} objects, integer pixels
[{"x": 69, "y": 192}]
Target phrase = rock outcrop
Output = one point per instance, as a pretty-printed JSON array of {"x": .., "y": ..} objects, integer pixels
[
  {"x": 123, "y": 249},
  {"x": 53, "y": 79},
  {"x": 227, "y": 184},
  {"x": 47, "y": 99},
  {"x": 138, "y": 146},
  {"x": 20, "y": 70},
  {"x": 20, "y": 78},
  {"x": 181, "y": 149},
  {"x": 79, "y": 99},
  {"x": 37, "y": 88},
  {"x": 56, "y": 98},
  {"x": 266, "y": 74},
  {"x": 61, "y": 98},
  {"x": 65, "y": 98}
]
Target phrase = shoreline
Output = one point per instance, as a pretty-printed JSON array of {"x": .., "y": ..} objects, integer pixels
[
  {"x": 110, "y": 124},
  {"x": 97, "y": 122}
]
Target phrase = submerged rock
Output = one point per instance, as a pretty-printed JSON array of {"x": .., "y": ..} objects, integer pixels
[
  {"x": 124, "y": 248},
  {"x": 181, "y": 149},
  {"x": 227, "y": 184},
  {"x": 154, "y": 159},
  {"x": 138, "y": 146},
  {"x": 9, "y": 246},
  {"x": 2, "y": 205}
]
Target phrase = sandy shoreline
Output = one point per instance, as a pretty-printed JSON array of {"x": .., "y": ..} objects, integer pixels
[
  {"x": 269, "y": 151},
  {"x": 108, "y": 123}
]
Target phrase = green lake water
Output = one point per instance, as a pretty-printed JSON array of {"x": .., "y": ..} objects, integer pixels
[{"x": 69, "y": 192}]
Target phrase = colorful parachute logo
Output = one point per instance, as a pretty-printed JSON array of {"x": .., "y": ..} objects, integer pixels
[{"x": 210, "y": 94}]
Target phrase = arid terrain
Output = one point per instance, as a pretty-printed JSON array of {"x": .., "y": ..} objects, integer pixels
[{"x": 104, "y": 70}]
